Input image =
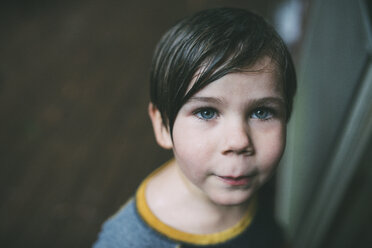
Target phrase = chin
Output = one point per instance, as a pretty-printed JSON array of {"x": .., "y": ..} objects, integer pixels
[{"x": 231, "y": 199}]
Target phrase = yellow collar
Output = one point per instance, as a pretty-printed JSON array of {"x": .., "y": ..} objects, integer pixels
[{"x": 198, "y": 239}]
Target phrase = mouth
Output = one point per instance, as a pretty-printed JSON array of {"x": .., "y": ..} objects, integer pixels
[{"x": 237, "y": 181}]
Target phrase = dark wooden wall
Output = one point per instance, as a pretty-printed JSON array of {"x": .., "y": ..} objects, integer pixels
[{"x": 75, "y": 139}]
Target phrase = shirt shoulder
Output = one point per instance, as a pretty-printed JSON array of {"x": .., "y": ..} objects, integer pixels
[{"x": 127, "y": 229}]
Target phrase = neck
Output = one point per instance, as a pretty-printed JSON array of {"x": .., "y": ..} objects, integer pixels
[
  {"x": 212, "y": 217},
  {"x": 191, "y": 204},
  {"x": 218, "y": 217}
]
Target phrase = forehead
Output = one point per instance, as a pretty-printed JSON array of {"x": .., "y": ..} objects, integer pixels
[
  {"x": 265, "y": 63},
  {"x": 264, "y": 69},
  {"x": 242, "y": 87}
]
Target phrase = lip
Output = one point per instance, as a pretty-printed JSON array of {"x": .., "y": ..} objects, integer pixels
[{"x": 236, "y": 181}]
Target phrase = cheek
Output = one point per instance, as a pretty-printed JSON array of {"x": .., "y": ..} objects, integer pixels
[
  {"x": 271, "y": 148},
  {"x": 192, "y": 150},
  {"x": 191, "y": 141},
  {"x": 186, "y": 144}
]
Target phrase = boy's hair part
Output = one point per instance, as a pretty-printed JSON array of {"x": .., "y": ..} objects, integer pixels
[{"x": 208, "y": 45}]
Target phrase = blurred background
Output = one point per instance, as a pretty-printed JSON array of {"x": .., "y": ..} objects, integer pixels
[{"x": 75, "y": 139}]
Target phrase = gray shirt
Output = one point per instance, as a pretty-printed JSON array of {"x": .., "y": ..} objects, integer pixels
[{"x": 126, "y": 229}]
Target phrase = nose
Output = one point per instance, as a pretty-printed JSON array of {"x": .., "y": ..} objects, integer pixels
[{"x": 237, "y": 138}]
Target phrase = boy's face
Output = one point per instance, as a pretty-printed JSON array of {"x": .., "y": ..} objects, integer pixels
[{"x": 229, "y": 137}]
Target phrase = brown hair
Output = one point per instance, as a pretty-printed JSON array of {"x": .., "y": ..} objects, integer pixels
[{"x": 213, "y": 43}]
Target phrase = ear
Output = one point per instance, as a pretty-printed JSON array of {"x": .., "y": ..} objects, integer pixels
[{"x": 161, "y": 132}]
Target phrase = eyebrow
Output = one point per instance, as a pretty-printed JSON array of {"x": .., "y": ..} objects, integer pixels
[
  {"x": 205, "y": 99},
  {"x": 267, "y": 100},
  {"x": 255, "y": 102}
]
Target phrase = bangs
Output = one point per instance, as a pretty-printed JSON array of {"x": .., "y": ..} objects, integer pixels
[{"x": 203, "y": 48}]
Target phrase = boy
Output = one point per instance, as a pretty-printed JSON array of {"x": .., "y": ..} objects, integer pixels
[{"x": 222, "y": 87}]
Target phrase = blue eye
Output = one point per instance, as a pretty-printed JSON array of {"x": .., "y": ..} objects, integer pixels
[
  {"x": 206, "y": 114},
  {"x": 262, "y": 114}
]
